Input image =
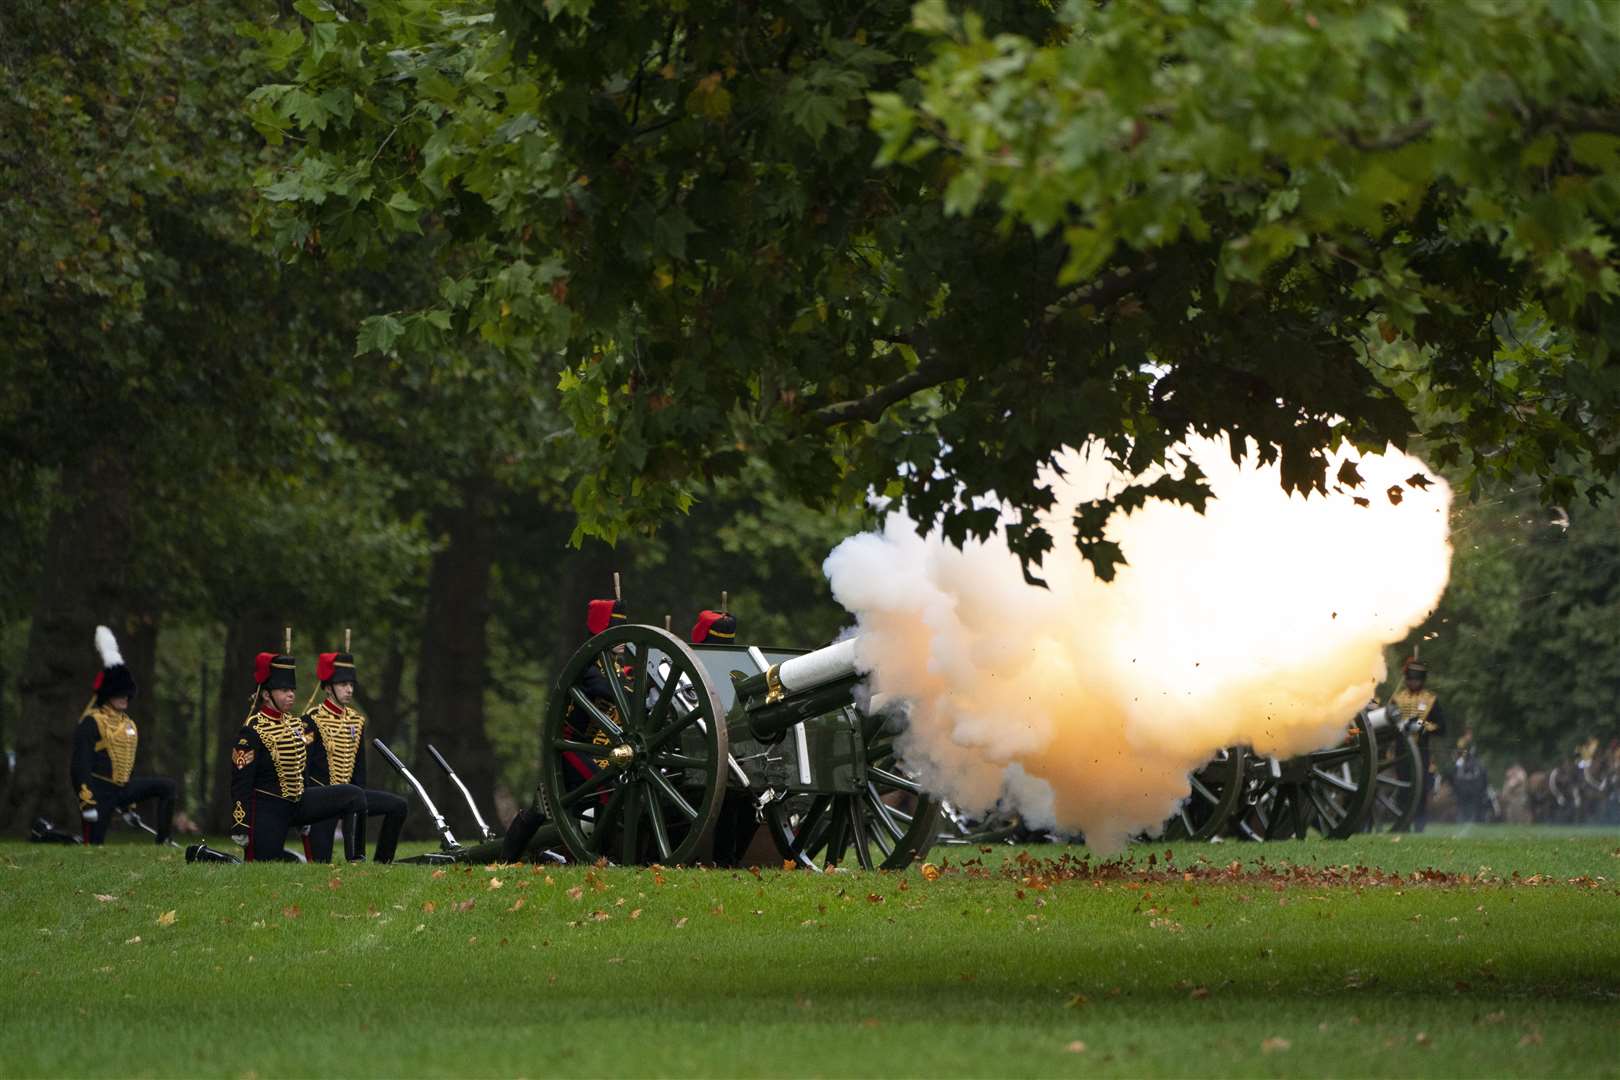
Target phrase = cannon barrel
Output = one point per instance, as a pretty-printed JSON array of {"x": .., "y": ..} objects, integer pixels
[{"x": 798, "y": 689}]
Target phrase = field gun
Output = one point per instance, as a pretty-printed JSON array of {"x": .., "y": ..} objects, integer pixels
[{"x": 654, "y": 750}]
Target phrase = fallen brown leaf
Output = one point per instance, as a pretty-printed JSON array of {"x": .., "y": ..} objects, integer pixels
[
  {"x": 1274, "y": 1045},
  {"x": 1076, "y": 1047},
  {"x": 136, "y": 940},
  {"x": 680, "y": 922},
  {"x": 105, "y": 898},
  {"x": 166, "y": 919},
  {"x": 291, "y": 911}
]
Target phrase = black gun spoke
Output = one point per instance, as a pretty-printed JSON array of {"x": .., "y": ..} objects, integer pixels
[{"x": 673, "y": 797}]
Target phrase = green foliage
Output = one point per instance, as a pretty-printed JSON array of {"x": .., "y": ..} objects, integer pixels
[
  {"x": 1118, "y": 221},
  {"x": 1525, "y": 646}
]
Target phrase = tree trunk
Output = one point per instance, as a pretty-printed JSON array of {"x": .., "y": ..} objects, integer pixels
[
  {"x": 82, "y": 584},
  {"x": 248, "y": 634},
  {"x": 450, "y": 675},
  {"x": 385, "y": 695}
]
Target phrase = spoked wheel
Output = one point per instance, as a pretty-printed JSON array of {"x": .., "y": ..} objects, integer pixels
[
  {"x": 1329, "y": 790},
  {"x": 1215, "y": 795},
  {"x": 636, "y": 774},
  {"x": 885, "y": 826},
  {"x": 1400, "y": 769},
  {"x": 997, "y": 827}
]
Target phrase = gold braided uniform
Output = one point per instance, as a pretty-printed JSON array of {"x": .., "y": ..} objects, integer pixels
[
  {"x": 104, "y": 749},
  {"x": 268, "y": 758},
  {"x": 341, "y": 729},
  {"x": 1411, "y": 705}
]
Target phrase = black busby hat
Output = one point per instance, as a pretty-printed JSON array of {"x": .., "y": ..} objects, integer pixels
[
  {"x": 718, "y": 627},
  {"x": 1414, "y": 666},
  {"x": 114, "y": 679},
  {"x": 601, "y": 614},
  {"x": 334, "y": 668},
  {"x": 275, "y": 671}
]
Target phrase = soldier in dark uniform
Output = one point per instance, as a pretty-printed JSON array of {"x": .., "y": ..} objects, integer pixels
[
  {"x": 104, "y": 745},
  {"x": 268, "y": 765},
  {"x": 737, "y": 822},
  {"x": 1418, "y": 707},
  {"x": 335, "y": 730},
  {"x": 599, "y": 616}
]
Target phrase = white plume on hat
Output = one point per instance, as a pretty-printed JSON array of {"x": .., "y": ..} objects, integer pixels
[{"x": 107, "y": 645}]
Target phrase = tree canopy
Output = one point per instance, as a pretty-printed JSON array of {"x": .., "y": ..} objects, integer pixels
[{"x": 917, "y": 250}]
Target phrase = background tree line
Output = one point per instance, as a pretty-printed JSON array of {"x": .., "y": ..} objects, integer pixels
[{"x": 389, "y": 314}]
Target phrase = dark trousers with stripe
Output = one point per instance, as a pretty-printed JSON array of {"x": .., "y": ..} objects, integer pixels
[
  {"x": 270, "y": 817},
  {"x": 111, "y": 798},
  {"x": 383, "y": 804}
]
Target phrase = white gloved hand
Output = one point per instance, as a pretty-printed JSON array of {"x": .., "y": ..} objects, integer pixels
[
  {"x": 92, "y": 814},
  {"x": 239, "y": 839}
]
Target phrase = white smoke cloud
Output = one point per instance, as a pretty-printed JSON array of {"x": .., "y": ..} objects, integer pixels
[{"x": 1086, "y": 704}]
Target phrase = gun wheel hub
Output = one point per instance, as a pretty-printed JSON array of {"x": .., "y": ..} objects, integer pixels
[{"x": 622, "y": 755}]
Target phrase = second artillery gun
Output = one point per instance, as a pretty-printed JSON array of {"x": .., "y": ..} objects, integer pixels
[{"x": 639, "y": 766}]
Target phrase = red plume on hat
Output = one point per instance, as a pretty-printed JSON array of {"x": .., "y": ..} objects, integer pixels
[
  {"x": 261, "y": 667},
  {"x": 718, "y": 625},
  {"x": 324, "y": 665},
  {"x": 601, "y": 614}
]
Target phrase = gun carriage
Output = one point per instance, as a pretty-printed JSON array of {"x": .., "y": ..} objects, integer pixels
[{"x": 640, "y": 765}]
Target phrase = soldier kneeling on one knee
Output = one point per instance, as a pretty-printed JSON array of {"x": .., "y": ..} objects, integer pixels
[{"x": 268, "y": 765}]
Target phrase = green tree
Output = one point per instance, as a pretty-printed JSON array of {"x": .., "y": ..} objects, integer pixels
[{"x": 861, "y": 241}]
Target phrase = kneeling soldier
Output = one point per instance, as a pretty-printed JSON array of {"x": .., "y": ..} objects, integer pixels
[
  {"x": 337, "y": 755},
  {"x": 268, "y": 765},
  {"x": 104, "y": 746}
]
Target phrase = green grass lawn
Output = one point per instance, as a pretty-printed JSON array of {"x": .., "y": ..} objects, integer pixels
[{"x": 1309, "y": 958}]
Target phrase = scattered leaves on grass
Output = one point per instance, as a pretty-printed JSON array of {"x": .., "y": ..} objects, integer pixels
[
  {"x": 1422, "y": 1039},
  {"x": 600, "y": 916},
  {"x": 335, "y": 884},
  {"x": 166, "y": 919},
  {"x": 1274, "y": 1045},
  {"x": 874, "y": 898},
  {"x": 517, "y": 905},
  {"x": 930, "y": 872},
  {"x": 105, "y": 898},
  {"x": 495, "y": 883},
  {"x": 1077, "y": 1001},
  {"x": 1076, "y": 1047},
  {"x": 680, "y": 923},
  {"x": 291, "y": 911},
  {"x": 1530, "y": 1038},
  {"x": 372, "y": 912},
  {"x": 576, "y": 892},
  {"x": 429, "y": 907},
  {"x": 635, "y": 913},
  {"x": 437, "y": 874},
  {"x": 789, "y": 864},
  {"x": 136, "y": 940},
  {"x": 1495, "y": 1017},
  {"x": 464, "y": 906},
  {"x": 1199, "y": 993}
]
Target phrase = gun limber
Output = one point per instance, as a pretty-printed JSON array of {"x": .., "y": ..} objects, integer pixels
[
  {"x": 483, "y": 827},
  {"x": 447, "y": 839}
]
